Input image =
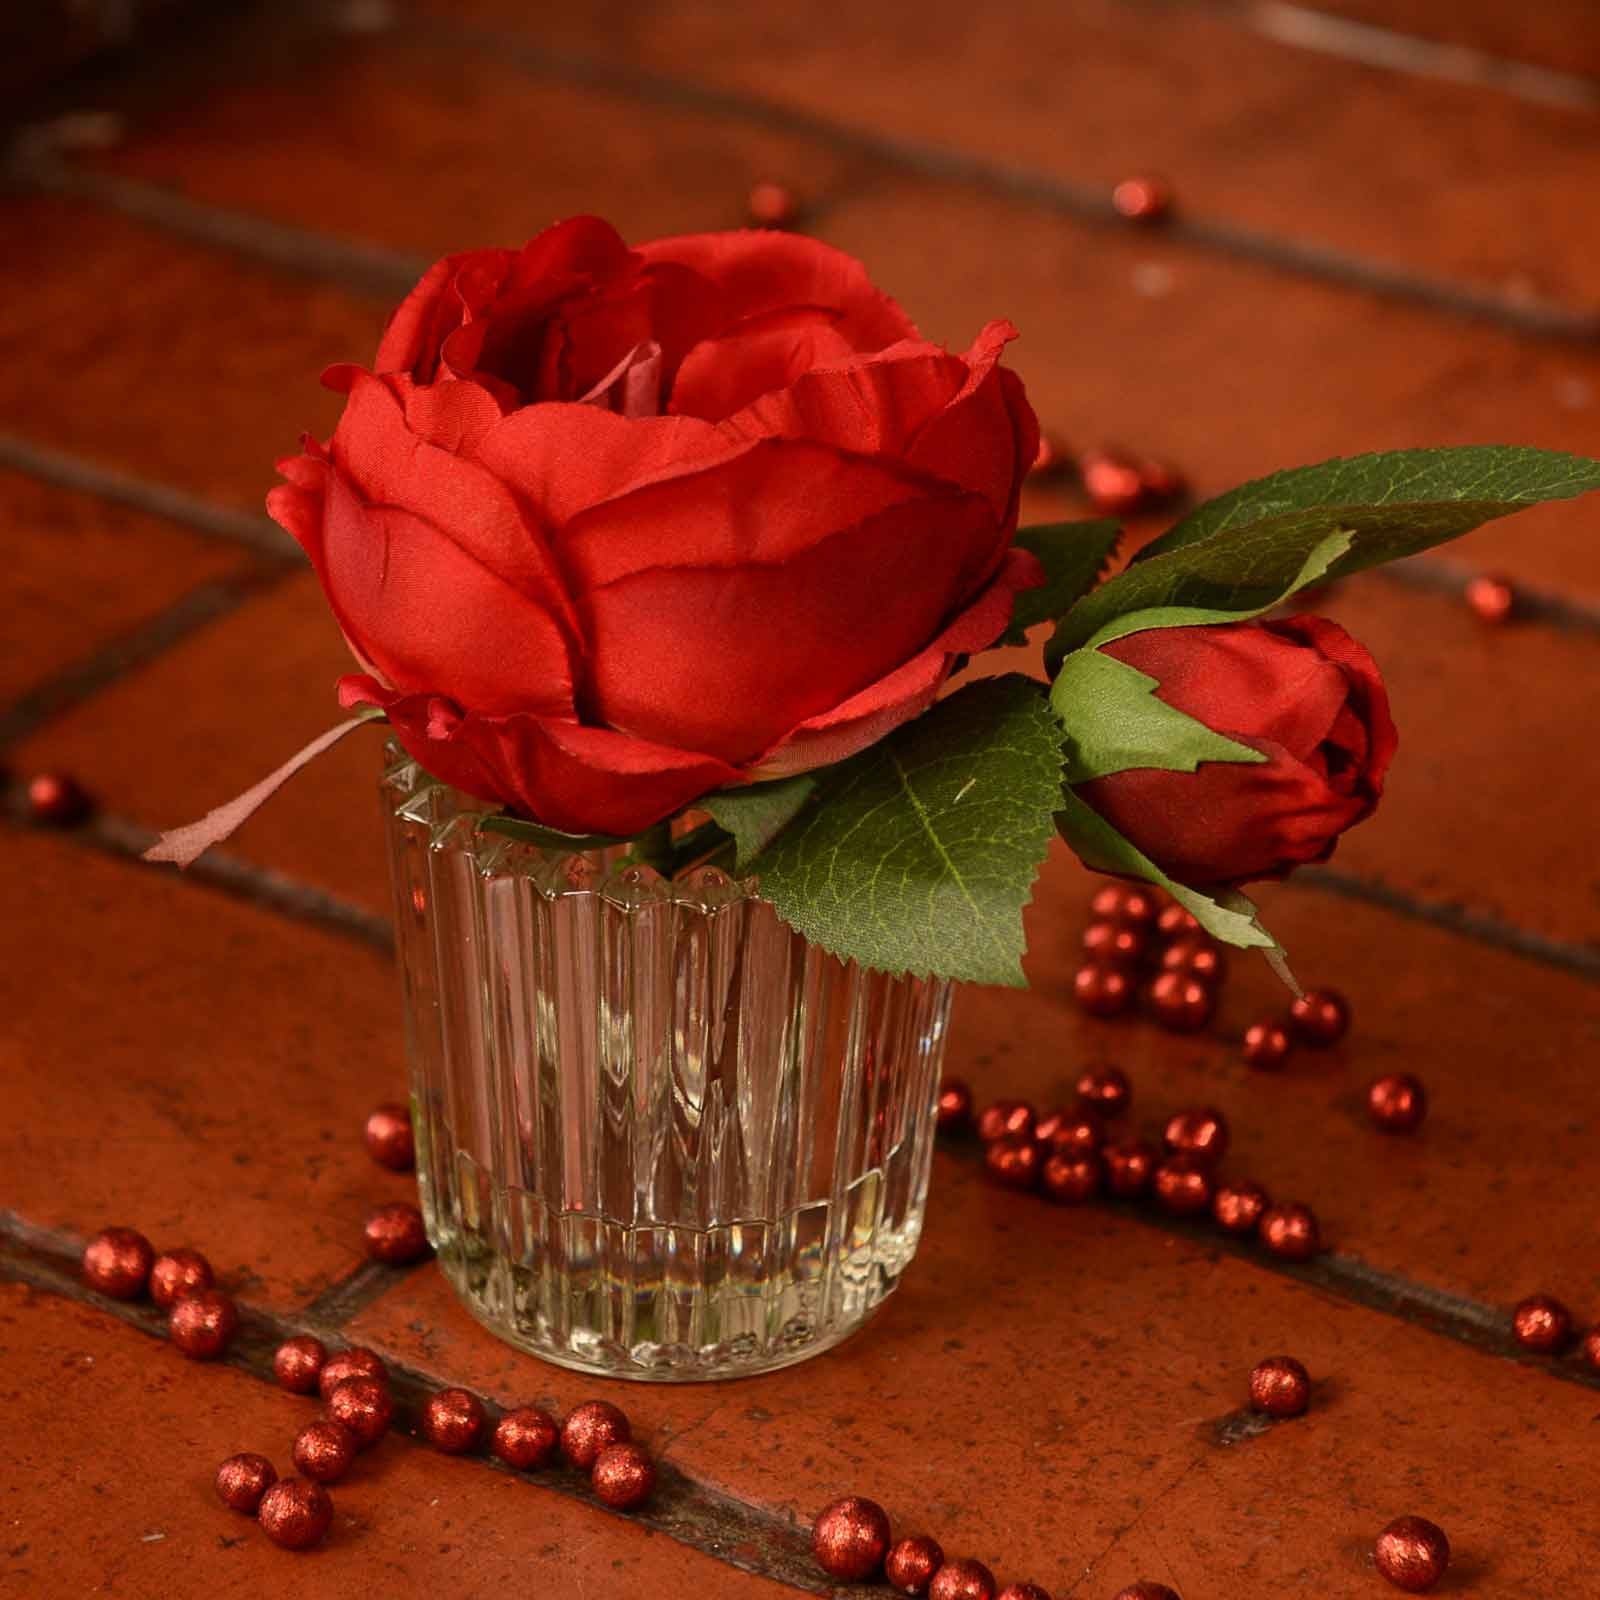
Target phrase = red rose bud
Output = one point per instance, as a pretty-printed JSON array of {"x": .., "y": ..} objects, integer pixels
[{"x": 1298, "y": 689}]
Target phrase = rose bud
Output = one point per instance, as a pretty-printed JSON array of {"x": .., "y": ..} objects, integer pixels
[
  {"x": 608, "y": 528},
  {"x": 1298, "y": 689}
]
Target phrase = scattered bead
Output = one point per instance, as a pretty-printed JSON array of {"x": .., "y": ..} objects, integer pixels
[
  {"x": 1267, "y": 1045},
  {"x": 850, "y": 1538},
  {"x": 1143, "y": 199},
  {"x": 395, "y": 1234},
  {"x": 1491, "y": 599},
  {"x": 1075, "y": 1131},
  {"x": 1174, "y": 922},
  {"x": 525, "y": 1438},
  {"x": 624, "y": 1476},
  {"x": 1181, "y": 1004},
  {"x": 1320, "y": 1017},
  {"x": 1183, "y": 1186},
  {"x": 356, "y": 1362},
  {"x": 589, "y": 1428},
  {"x": 1023, "y": 1591},
  {"x": 912, "y": 1563},
  {"x": 1195, "y": 955},
  {"x": 58, "y": 800},
  {"x": 451, "y": 1420},
  {"x": 117, "y": 1262},
  {"x": 962, "y": 1579},
  {"x": 1280, "y": 1387},
  {"x": 1397, "y": 1103},
  {"x": 297, "y": 1363},
  {"x": 1541, "y": 1323},
  {"x": 1103, "y": 990},
  {"x": 243, "y": 1479},
  {"x": 1110, "y": 941},
  {"x": 176, "y": 1273},
  {"x": 1131, "y": 905},
  {"x": 1105, "y": 1090},
  {"x": 1237, "y": 1206},
  {"x": 202, "y": 1324},
  {"x": 1589, "y": 1350},
  {"x": 389, "y": 1138},
  {"x": 1014, "y": 1162},
  {"x": 1051, "y": 458},
  {"x": 324, "y": 1450},
  {"x": 1162, "y": 483},
  {"x": 295, "y": 1513},
  {"x": 1129, "y": 1168},
  {"x": 955, "y": 1105},
  {"x": 1111, "y": 482},
  {"x": 1071, "y": 1179},
  {"x": 771, "y": 205},
  {"x": 1200, "y": 1132},
  {"x": 1145, "y": 1590},
  {"x": 1290, "y": 1231},
  {"x": 1005, "y": 1118},
  {"x": 1412, "y": 1553},
  {"x": 365, "y": 1407}
]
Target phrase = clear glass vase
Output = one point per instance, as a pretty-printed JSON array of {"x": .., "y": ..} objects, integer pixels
[{"x": 659, "y": 1135}]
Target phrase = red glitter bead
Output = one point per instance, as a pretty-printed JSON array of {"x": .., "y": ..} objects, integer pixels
[
  {"x": 1280, "y": 1387},
  {"x": 1014, "y": 1162},
  {"x": 365, "y": 1407},
  {"x": 202, "y": 1324},
  {"x": 58, "y": 800},
  {"x": 389, "y": 1138},
  {"x": 1005, "y": 1118},
  {"x": 1174, "y": 922},
  {"x": 1128, "y": 904},
  {"x": 395, "y": 1234},
  {"x": 1051, "y": 458},
  {"x": 1105, "y": 1090},
  {"x": 1491, "y": 599},
  {"x": 297, "y": 1363},
  {"x": 1129, "y": 1168},
  {"x": 1290, "y": 1231},
  {"x": 1074, "y": 1130},
  {"x": 117, "y": 1262},
  {"x": 771, "y": 205},
  {"x": 1267, "y": 1045},
  {"x": 589, "y": 1428},
  {"x": 1541, "y": 1323},
  {"x": 1103, "y": 990},
  {"x": 295, "y": 1513},
  {"x": 1071, "y": 1179},
  {"x": 243, "y": 1479},
  {"x": 525, "y": 1438},
  {"x": 1023, "y": 1591},
  {"x": 1112, "y": 483},
  {"x": 1194, "y": 955},
  {"x": 1145, "y": 1590},
  {"x": 1143, "y": 199},
  {"x": 1162, "y": 483},
  {"x": 324, "y": 1450},
  {"x": 955, "y": 1105},
  {"x": 624, "y": 1476},
  {"x": 1412, "y": 1553},
  {"x": 1237, "y": 1206},
  {"x": 1200, "y": 1132},
  {"x": 1320, "y": 1017},
  {"x": 1589, "y": 1349},
  {"x": 1397, "y": 1103},
  {"x": 850, "y": 1538},
  {"x": 911, "y": 1564},
  {"x": 1181, "y": 1004},
  {"x": 1183, "y": 1186},
  {"x": 356, "y": 1362},
  {"x": 1110, "y": 941},
  {"x": 962, "y": 1579},
  {"x": 177, "y": 1273},
  {"x": 451, "y": 1420}
]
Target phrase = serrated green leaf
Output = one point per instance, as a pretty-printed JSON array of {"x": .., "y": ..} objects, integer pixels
[
  {"x": 535, "y": 833},
  {"x": 921, "y": 852},
  {"x": 1074, "y": 556},
  {"x": 1246, "y": 544},
  {"x": 757, "y": 815}
]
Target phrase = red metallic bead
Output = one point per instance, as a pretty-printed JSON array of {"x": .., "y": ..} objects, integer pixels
[
  {"x": 324, "y": 1450},
  {"x": 1195, "y": 955},
  {"x": 1051, "y": 458},
  {"x": 1320, "y": 1017},
  {"x": 395, "y": 1234},
  {"x": 1589, "y": 1349},
  {"x": 1541, "y": 1323},
  {"x": 1412, "y": 1553},
  {"x": 243, "y": 1479},
  {"x": 1145, "y": 1590},
  {"x": 1397, "y": 1103},
  {"x": 1129, "y": 1168},
  {"x": 1005, "y": 1118},
  {"x": 1237, "y": 1206},
  {"x": 389, "y": 1138},
  {"x": 1174, "y": 922},
  {"x": 1183, "y": 1186},
  {"x": 1128, "y": 904},
  {"x": 117, "y": 1262},
  {"x": 1023, "y": 1591},
  {"x": 365, "y": 1407},
  {"x": 295, "y": 1513},
  {"x": 1112, "y": 483},
  {"x": 962, "y": 1579},
  {"x": 771, "y": 205},
  {"x": 955, "y": 1105},
  {"x": 1071, "y": 1179},
  {"x": 1014, "y": 1162},
  {"x": 911, "y": 1564},
  {"x": 1181, "y": 1005},
  {"x": 589, "y": 1428},
  {"x": 56, "y": 799},
  {"x": 1162, "y": 483},
  {"x": 297, "y": 1363},
  {"x": 177, "y": 1273},
  {"x": 525, "y": 1438},
  {"x": 1145, "y": 198},
  {"x": 623, "y": 1476},
  {"x": 1491, "y": 599},
  {"x": 1280, "y": 1387},
  {"x": 1105, "y": 1090},
  {"x": 1290, "y": 1231},
  {"x": 356, "y": 1362},
  {"x": 1110, "y": 941},
  {"x": 1267, "y": 1045},
  {"x": 850, "y": 1538},
  {"x": 1103, "y": 990},
  {"x": 1074, "y": 1130},
  {"x": 1201, "y": 1132},
  {"x": 452, "y": 1420},
  {"x": 202, "y": 1324}
]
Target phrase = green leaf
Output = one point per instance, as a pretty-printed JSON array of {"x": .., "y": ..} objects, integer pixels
[
  {"x": 535, "y": 833},
  {"x": 920, "y": 853},
  {"x": 1074, "y": 556},
  {"x": 1246, "y": 545},
  {"x": 757, "y": 815}
]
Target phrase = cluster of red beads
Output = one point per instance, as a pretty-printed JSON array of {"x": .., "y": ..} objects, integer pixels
[
  {"x": 1137, "y": 943},
  {"x": 201, "y": 1319},
  {"x": 1544, "y": 1326},
  {"x": 1115, "y": 483}
]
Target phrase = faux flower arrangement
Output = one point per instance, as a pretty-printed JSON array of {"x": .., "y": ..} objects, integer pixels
[{"x": 706, "y": 526}]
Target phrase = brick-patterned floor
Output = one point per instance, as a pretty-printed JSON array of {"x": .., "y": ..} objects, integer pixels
[{"x": 1383, "y": 238}]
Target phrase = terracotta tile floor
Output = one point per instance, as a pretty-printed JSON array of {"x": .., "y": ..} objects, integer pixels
[{"x": 1364, "y": 256}]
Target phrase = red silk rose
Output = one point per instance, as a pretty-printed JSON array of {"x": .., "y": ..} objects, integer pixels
[
  {"x": 1303, "y": 693},
  {"x": 608, "y": 529}
]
